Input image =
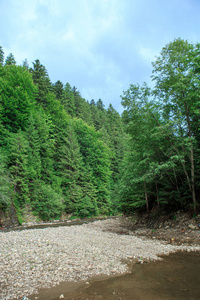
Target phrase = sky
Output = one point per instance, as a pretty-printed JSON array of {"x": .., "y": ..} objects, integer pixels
[{"x": 99, "y": 46}]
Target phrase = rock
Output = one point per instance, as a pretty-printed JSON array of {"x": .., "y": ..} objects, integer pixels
[
  {"x": 84, "y": 251},
  {"x": 192, "y": 226}
]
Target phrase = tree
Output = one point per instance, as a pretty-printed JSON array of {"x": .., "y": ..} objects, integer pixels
[
  {"x": 41, "y": 79},
  {"x": 5, "y": 185},
  {"x": 10, "y": 60},
  {"x": 58, "y": 89},
  {"x": 139, "y": 121},
  {"x": 1, "y": 56},
  {"x": 17, "y": 97},
  {"x": 163, "y": 158},
  {"x": 17, "y": 165},
  {"x": 46, "y": 202},
  {"x": 177, "y": 84},
  {"x": 95, "y": 157},
  {"x": 92, "y": 102},
  {"x": 117, "y": 139},
  {"x": 45, "y": 132},
  {"x": 25, "y": 64},
  {"x": 82, "y": 108},
  {"x": 70, "y": 161},
  {"x": 33, "y": 151},
  {"x": 68, "y": 100},
  {"x": 95, "y": 116},
  {"x": 100, "y": 104}
]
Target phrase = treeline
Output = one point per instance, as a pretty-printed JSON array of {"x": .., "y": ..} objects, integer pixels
[
  {"x": 161, "y": 169},
  {"x": 62, "y": 154},
  {"x": 58, "y": 152}
]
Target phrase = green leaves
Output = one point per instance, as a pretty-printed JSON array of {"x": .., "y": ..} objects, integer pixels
[
  {"x": 46, "y": 202},
  {"x": 5, "y": 185},
  {"x": 1, "y": 56},
  {"x": 62, "y": 153},
  {"x": 17, "y": 97},
  {"x": 164, "y": 132}
]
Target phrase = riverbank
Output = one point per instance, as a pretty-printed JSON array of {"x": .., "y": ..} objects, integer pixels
[
  {"x": 41, "y": 258},
  {"x": 178, "y": 228}
]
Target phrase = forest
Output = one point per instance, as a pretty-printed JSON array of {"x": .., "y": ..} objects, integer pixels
[{"x": 61, "y": 154}]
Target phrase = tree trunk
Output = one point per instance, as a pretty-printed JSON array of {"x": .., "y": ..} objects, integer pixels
[
  {"x": 146, "y": 197},
  {"x": 191, "y": 160},
  {"x": 157, "y": 192},
  {"x": 192, "y": 179}
]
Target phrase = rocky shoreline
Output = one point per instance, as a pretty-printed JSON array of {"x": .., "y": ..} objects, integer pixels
[{"x": 40, "y": 258}]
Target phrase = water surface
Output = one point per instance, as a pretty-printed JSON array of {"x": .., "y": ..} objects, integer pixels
[{"x": 176, "y": 277}]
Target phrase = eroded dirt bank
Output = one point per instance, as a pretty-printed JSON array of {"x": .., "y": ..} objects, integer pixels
[
  {"x": 178, "y": 228},
  {"x": 39, "y": 258}
]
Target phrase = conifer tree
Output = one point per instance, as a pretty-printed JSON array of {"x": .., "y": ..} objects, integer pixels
[
  {"x": 33, "y": 151},
  {"x": 68, "y": 100},
  {"x": 70, "y": 166},
  {"x": 10, "y": 60},
  {"x": 47, "y": 143},
  {"x": 25, "y": 64},
  {"x": 5, "y": 185},
  {"x": 1, "y": 56},
  {"x": 18, "y": 168},
  {"x": 82, "y": 108},
  {"x": 41, "y": 79},
  {"x": 17, "y": 97},
  {"x": 58, "y": 89}
]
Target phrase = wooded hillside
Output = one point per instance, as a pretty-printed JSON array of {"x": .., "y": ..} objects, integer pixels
[{"x": 60, "y": 153}]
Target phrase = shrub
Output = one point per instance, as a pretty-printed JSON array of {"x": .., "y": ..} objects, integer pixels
[{"x": 46, "y": 202}]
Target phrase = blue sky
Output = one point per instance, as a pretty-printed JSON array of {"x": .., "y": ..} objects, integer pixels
[{"x": 101, "y": 47}]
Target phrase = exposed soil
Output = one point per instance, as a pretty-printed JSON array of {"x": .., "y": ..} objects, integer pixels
[{"x": 178, "y": 228}]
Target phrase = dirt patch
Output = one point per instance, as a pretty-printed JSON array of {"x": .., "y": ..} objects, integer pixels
[{"x": 178, "y": 228}]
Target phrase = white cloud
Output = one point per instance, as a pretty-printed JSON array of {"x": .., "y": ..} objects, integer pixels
[
  {"x": 99, "y": 46},
  {"x": 147, "y": 54}
]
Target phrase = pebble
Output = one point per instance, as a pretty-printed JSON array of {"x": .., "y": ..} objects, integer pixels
[{"x": 41, "y": 258}]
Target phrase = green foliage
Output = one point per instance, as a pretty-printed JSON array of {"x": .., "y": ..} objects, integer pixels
[
  {"x": 95, "y": 156},
  {"x": 33, "y": 151},
  {"x": 5, "y": 185},
  {"x": 1, "y": 56},
  {"x": 86, "y": 208},
  {"x": 161, "y": 166},
  {"x": 58, "y": 89},
  {"x": 67, "y": 100},
  {"x": 62, "y": 153},
  {"x": 18, "y": 167},
  {"x": 16, "y": 96},
  {"x": 10, "y": 60},
  {"x": 46, "y": 202},
  {"x": 42, "y": 81}
]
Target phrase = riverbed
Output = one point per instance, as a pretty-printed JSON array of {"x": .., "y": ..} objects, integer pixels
[
  {"x": 41, "y": 258},
  {"x": 175, "y": 277}
]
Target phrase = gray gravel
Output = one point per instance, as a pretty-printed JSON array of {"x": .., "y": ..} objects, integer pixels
[{"x": 31, "y": 259}]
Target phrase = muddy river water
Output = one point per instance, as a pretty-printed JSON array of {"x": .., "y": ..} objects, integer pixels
[{"x": 176, "y": 277}]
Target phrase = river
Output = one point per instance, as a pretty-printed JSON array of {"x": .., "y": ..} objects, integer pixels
[
  {"x": 176, "y": 277},
  {"x": 41, "y": 259}
]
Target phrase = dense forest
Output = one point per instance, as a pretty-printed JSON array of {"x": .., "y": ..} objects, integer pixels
[{"x": 61, "y": 154}]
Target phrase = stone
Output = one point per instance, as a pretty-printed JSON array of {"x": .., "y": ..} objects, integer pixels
[{"x": 192, "y": 226}]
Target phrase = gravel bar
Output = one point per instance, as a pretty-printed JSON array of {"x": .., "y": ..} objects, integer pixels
[{"x": 40, "y": 258}]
